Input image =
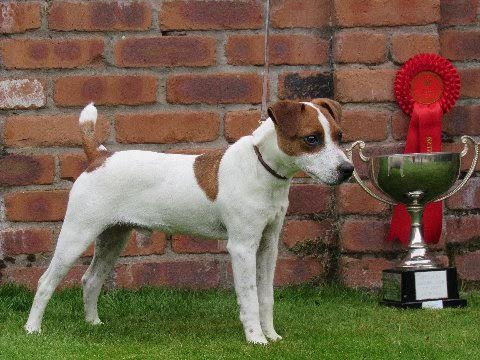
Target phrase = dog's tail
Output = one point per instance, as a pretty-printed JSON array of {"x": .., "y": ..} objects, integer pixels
[{"x": 88, "y": 118}]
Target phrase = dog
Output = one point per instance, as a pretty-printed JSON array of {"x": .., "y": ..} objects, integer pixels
[{"x": 239, "y": 194}]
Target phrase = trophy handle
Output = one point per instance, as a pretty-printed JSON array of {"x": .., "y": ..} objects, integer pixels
[
  {"x": 365, "y": 159},
  {"x": 465, "y": 140}
]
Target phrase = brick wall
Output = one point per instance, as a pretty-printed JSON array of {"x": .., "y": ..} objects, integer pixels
[{"x": 185, "y": 76}]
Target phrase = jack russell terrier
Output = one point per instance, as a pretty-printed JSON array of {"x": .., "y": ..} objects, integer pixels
[{"x": 239, "y": 194}]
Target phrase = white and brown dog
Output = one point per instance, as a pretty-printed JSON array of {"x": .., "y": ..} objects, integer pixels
[{"x": 240, "y": 194}]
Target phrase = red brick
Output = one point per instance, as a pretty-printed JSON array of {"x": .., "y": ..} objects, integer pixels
[
  {"x": 459, "y": 12},
  {"x": 462, "y": 229},
  {"x": 367, "y": 124},
  {"x": 406, "y": 45},
  {"x": 106, "y": 90},
  {"x": 298, "y": 232},
  {"x": 240, "y": 123},
  {"x": 362, "y": 236},
  {"x": 22, "y": 93},
  {"x": 16, "y": 17},
  {"x": 467, "y": 198},
  {"x": 29, "y": 276},
  {"x": 48, "y": 54},
  {"x": 48, "y": 130},
  {"x": 466, "y": 162},
  {"x": 363, "y": 273},
  {"x": 352, "y": 199},
  {"x": 193, "y": 274},
  {"x": 72, "y": 165},
  {"x": 467, "y": 266},
  {"x": 309, "y": 199},
  {"x": 462, "y": 120},
  {"x": 283, "y": 50},
  {"x": 184, "y": 244},
  {"x": 360, "y": 47},
  {"x": 364, "y": 85},
  {"x": 460, "y": 45},
  {"x": 305, "y": 85},
  {"x": 400, "y": 122},
  {"x": 350, "y": 13},
  {"x": 36, "y": 205},
  {"x": 206, "y": 15},
  {"x": 167, "y": 127},
  {"x": 100, "y": 15},
  {"x": 214, "y": 88},
  {"x": 17, "y": 169},
  {"x": 26, "y": 241},
  {"x": 470, "y": 79},
  {"x": 294, "y": 271},
  {"x": 300, "y": 13},
  {"x": 165, "y": 51}
]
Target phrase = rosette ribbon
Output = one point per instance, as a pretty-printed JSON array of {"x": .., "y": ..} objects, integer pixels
[{"x": 426, "y": 87}]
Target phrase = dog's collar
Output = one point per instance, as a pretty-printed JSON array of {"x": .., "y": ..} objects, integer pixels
[{"x": 265, "y": 165}]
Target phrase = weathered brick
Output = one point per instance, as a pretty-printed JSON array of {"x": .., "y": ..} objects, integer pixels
[
  {"x": 467, "y": 198},
  {"x": 36, "y": 205},
  {"x": 18, "y": 169},
  {"x": 53, "y": 53},
  {"x": 406, "y": 45},
  {"x": 72, "y": 165},
  {"x": 305, "y": 85},
  {"x": 184, "y": 244},
  {"x": 470, "y": 79},
  {"x": 240, "y": 123},
  {"x": 400, "y": 122},
  {"x": 225, "y": 88},
  {"x": 16, "y": 17},
  {"x": 460, "y": 45},
  {"x": 294, "y": 271},
  {"x": 363, "y": 273},
  {"x": 106, "y": 90},
  {"x": 297, "y": 232},
  {"x": 364, "y": 85},
  {"x": 459, "y": 12},
  {"x": 368, "y": 124},
  {"x": 467, "y": 266},
  {"x": 194, "y": 274},
  {"x": 461, "y": 120},
  {"x": 167, "y": 127},
  {"x": 467, "y": 160},
  {"x": 283, "y": 50},
  {"x": 462, "y": 229},
  {"x": 309, "y": 199},
  {"x": 352, "y": 199},
  {"x": 350, "y": 13},
  {"x": 365, "y": 236},
  {"x": 165, "y": 51},
  {"x": 48, "y": 130},
  {"x": 206, "y": 15},
  {"x": 26, "y": 241},
  {"x": 300, "y": 13},
  {"x": 100, "y": 15},
  {"x": 360, "y": 47},
  {"x": 22, "y": 94}
]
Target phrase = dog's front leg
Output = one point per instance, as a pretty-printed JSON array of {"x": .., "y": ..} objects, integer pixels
[
  {"x": 242, "y": 247},
  {"x": 266, "y": 262}
]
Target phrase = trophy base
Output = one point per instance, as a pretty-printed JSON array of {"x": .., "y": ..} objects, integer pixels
[{"x": 435, "y": 288}]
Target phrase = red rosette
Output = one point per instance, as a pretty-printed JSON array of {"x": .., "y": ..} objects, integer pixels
[{"x": 426, "y": 79}]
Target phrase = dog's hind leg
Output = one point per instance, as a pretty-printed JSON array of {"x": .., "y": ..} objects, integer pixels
[
  {"x": 74, "y": 239},
  {"x": 108, "y": 247}
]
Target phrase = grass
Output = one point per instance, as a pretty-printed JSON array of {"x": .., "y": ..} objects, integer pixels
[{"x": 316, "y": 323}]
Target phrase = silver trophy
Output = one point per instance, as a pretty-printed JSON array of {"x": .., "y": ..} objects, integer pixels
[{"x": 415, "y": 180}]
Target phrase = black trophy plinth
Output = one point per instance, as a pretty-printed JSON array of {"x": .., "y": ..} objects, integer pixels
[{"x": 434, "y": 288}]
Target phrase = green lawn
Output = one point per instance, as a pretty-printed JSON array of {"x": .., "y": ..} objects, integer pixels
[{"x": 316, "y": 323}]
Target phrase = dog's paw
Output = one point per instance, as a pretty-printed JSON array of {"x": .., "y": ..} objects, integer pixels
[
  {"x": 273, "y": 336},
  {"x": 96, "y": 321},
  {"x": 31, "y": 329},
  {"x": 257, "y": 339}
]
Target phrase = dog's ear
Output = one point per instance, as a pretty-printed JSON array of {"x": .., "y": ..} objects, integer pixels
[
  {"x": 332, "y": 106},
  {"x": 286, "y": 116}
]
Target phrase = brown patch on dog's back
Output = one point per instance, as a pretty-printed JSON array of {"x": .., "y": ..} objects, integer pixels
[
  {"x": 98, "y": 161},
  {"x": 206, "y": 167}
]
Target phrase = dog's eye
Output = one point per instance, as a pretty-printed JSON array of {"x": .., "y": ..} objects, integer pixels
[
  {"x": 340, "y": 136},
  {"x": 312, "y": 140}
]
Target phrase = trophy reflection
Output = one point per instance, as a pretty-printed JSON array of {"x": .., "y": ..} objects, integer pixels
[{"x": 415, "y": 180}]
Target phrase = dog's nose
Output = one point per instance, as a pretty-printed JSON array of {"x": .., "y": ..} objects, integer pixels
[{"x": 345, "y": 170}]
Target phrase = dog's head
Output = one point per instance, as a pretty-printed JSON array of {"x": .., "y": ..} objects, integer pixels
[{"x": 309, "y": 134}]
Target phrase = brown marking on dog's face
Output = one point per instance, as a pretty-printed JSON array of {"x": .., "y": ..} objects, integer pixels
[
  {"x": 206, "y": 167},
  {"x": 294, "y": 122},
  {"x": 332, "y": 110},
  {"x": 99, "y": 161}
]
